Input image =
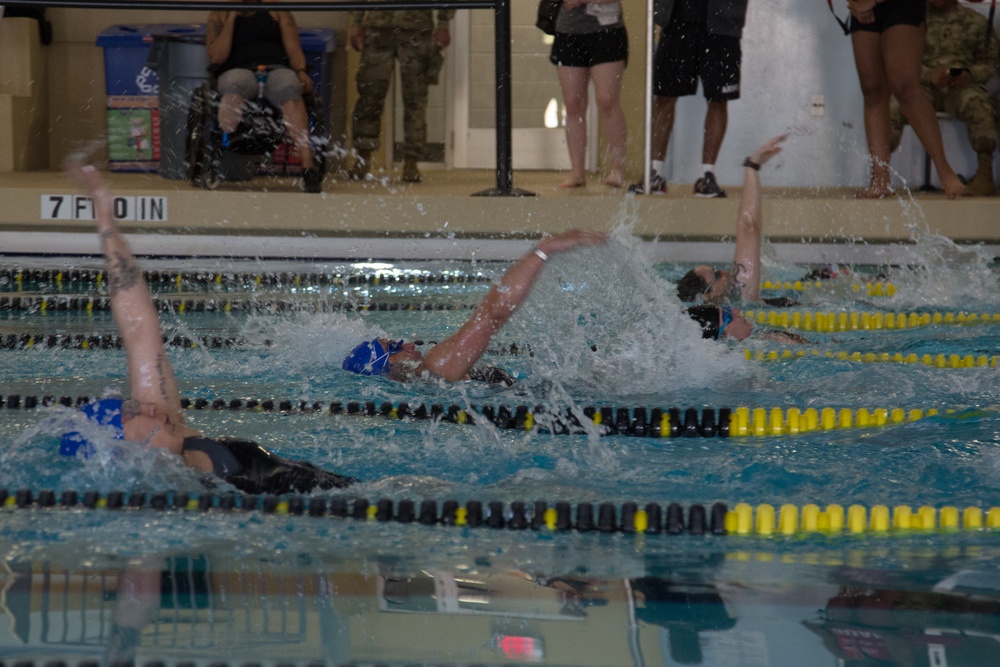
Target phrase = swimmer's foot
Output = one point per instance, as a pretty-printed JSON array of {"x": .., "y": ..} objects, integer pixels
[
  {"x": 573, "y": 182},
  {"x": 614, "y": 179}
]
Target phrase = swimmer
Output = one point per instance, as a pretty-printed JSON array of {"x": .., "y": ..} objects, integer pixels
[
  {"x": 728, "y": 323},
  {"x": 455, "y": 358},
  {"x": 714, "y": 286},
  {"x": 152, "y": 414}
]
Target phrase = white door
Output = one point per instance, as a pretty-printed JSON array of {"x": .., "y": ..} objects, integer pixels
[{"x": 537, "y": 110}]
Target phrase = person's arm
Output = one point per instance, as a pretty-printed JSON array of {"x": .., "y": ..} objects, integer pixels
[
  {"x": 293, "y": 47},
  {"x": 151, "y": 377},
  {"x": 749, "y": 222},
  {"x": 219, "y": 36},
  {"x": 987, "y": 57},
  {"x": 356, "y": 36},
  {"x": 453, "y": 357}
]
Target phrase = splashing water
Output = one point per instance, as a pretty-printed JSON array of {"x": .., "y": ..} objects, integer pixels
[{"x": 601, "y": 317}]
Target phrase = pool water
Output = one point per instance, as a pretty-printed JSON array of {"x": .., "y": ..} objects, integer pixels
[{"x": 601, "y": 330}]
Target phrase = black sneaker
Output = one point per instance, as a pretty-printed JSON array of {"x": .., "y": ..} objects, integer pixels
[
  {"x": 707, "y": 187},
  {"x": 657, "y": 186},
  {"x": 311, "y": 181}
]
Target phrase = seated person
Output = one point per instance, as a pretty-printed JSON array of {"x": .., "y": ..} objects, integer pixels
[
  {"x": 153, "y": 410},
  {"x": 239, "y": 41},
  {"x": 715, "y": 286},
  {"x": 958, "y": 63}
]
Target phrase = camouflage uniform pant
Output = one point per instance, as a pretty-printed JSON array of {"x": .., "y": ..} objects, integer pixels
[
  {"x": 970, "y": 105},
  {"x": 417, "y": 53}
]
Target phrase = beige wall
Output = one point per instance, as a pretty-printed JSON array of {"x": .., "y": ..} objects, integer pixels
[{"x": 24, "y": 99}]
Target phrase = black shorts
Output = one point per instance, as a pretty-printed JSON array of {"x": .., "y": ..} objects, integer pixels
[
  {"x": 686, "y": 53},
  {"x": 589, "y": 49},
  {"x": 894, "y": 12}
]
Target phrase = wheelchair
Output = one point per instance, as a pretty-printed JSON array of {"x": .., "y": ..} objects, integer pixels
[{"x": 261, "y": 130}]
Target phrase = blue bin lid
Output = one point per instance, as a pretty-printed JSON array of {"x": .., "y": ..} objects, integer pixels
[
  {"x": 137, "y": 35},
  {"x": 318, "y": 39}
]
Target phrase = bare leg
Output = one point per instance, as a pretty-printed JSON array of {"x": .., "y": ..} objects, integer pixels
[
  {"x": 875, "y": 91},
  {"x": 663, "y": 125},
  {"x": 716, "y": 119},
  {"x": 297, "y": 122},
  {"x": 574, "y": 81},
  {"x": 607, "y": 94},
  {"x": 903, "y": 52},
  {"x": 230, "y": 112}
]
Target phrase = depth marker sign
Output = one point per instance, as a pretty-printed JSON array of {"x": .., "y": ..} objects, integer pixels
[{"x": 78, "y": 207}]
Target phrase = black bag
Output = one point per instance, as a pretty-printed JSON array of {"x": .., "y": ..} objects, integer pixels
[{"x": 548, "y": 10}]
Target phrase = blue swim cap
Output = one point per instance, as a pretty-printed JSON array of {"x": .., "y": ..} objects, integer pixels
[
  {"x": 104, "y": 411},
  {"x": 370, "y": 358}
]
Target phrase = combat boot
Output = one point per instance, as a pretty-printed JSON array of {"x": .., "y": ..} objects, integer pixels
[
  {"x": 982, "y": 184},
  {"x": 411, "y": 174},
  {"x": 362, "y": 165}
]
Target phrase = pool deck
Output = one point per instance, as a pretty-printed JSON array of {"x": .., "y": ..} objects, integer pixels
[{"x": 441, "y": 219}]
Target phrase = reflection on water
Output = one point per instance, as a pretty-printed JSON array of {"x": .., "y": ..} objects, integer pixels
[{"x": 717, "y": 606}]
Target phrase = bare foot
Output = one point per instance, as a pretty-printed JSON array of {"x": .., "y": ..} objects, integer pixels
[
  {"x": 953, "y": 187},
  {"x": 614, "y": 179},
  {"x": 573, "y": 183}
]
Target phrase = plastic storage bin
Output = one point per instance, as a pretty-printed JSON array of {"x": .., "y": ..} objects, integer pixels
[{"x": 132, "y": 88}]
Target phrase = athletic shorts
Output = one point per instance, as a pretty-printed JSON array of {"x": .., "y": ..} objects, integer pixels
[
  {"x": 589, "y": 49},
  {"x": 686, "y": 53},
  {"x": 282, "y": 85},
  {"x": 894, "y": 12}
]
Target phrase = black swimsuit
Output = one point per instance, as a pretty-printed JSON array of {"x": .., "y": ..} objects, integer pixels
[{"x": 253, "y": 469}]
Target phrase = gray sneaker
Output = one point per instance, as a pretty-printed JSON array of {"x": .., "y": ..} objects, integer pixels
[
  {"x": 657, "y": 186},
  {"x": 706, "y": 187}
]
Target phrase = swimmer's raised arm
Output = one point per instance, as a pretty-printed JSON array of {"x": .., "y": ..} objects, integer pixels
[
  {"x": 151, "y": 377},
  {"x": 750, "y": 222},
  {"x": 453, "y": 357}
]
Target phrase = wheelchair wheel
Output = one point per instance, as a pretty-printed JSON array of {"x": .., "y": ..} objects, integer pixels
[
  {"x": 319, "y": 137},
  {"x": 203, "y": 152}
]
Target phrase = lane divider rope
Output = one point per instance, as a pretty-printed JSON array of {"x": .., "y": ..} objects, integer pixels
[
  {"x": 872, "y": 288},
  {"x": 863, "y": 321},
  {"x": 14, "y": 279},
  {"x": 934, "y": 360},
  {"x": 221, "y": 303},
  {"x": 96, "y": 341},
  {"x": 629, "y": 517},
  {"x": 637, "y": 422}
]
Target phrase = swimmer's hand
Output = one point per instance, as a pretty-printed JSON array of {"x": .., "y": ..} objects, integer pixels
[
  {"x": 90, "y": 180},
  {"x": 571, "y": 239},
  {"x": 770, "y": 148}
]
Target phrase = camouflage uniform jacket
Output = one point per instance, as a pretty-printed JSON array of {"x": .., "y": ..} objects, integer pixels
[
  {"x": 405, "y": 19},
  {"x": 957, "y": 39}
]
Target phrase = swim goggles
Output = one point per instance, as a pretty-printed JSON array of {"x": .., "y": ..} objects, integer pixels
[{"x": 727, "y": 317}]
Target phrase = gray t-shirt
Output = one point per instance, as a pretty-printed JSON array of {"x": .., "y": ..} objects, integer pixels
[{"x": 590, "y": 17}]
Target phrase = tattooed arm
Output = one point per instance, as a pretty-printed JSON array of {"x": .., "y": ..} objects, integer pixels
[
  {"x": 219, "y": 36},
  {"x": 151, "y": 377}
]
